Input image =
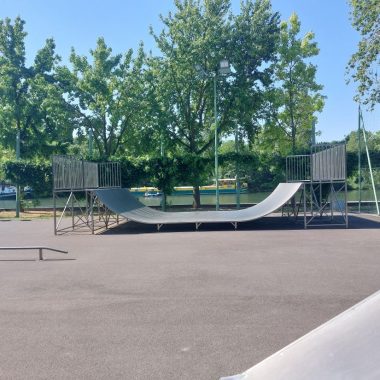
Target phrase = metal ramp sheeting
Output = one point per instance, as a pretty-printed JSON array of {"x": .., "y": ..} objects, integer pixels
[
  {"x": 346, "y": 347},
  {"x": 123, "y": 203}
]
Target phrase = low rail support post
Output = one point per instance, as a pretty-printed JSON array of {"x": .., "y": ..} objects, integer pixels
[{"x": 304, "y": 207}]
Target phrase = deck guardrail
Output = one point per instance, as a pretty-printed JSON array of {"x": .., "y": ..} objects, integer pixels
[
  {"x": 326, "y": 163},
  {"x": 298, "y": 168},
  {"x": 73, "y": 174}
]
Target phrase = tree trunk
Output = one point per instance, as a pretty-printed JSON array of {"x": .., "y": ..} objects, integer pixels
[
  {"x": 197, "y": 197},
  {"x": 163, "y": 202}
]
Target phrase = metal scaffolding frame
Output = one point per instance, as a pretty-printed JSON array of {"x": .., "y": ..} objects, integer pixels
[
  {"x": 74, "y": 181},
  {"x": 324, "y": 175}
]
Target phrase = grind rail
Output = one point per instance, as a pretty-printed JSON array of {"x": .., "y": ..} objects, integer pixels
[{"x": 29, "y": 248}]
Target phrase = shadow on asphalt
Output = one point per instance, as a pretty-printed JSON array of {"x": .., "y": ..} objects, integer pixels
[{"x": 268, "y": 223}]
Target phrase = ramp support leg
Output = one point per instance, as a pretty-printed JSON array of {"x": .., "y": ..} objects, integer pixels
[
  {"x": 159, "y": 225},
  {"x": 304, "y": 207},
  {"x": 235, "y": 225},
  {"x": 197, "y": 225}
]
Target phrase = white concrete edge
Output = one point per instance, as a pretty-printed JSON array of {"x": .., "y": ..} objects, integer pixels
[{"x": 315, "y": 331}]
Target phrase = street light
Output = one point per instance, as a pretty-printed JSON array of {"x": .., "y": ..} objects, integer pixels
[
  {"x": 223, "y": 69},
  {"x": 18, "y": 190}
]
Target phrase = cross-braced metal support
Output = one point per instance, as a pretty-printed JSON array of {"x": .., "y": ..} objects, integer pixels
[
  {"x": 82, "y": 213},
  {"x": 324, "y": 194},
  {"x": 73, "y": 182}
]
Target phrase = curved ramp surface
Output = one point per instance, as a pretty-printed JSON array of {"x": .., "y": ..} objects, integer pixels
[
  {"x": 345, "y": 348},
  {"x": 122, "y": 202}
]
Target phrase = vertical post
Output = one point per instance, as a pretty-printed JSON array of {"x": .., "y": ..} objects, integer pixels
[
  {"x": 369, "y": 164},
  {"x": 90, "y": 143},
  {"x": 92, "y": 213},
  {"x": 55, "y": 212},
  {"x": 345, "y": 201},
  {"x": 18, "y": 192},
  {"x": 359, "y": 161},
  {"x": 72, "y": 210},
  {"x": 216, "y": 147},
  {"x": 237, "y": 167},
  {"x": 40, "y": 257},
  {"x": 313, "y": 133},
  {"x": 304, "y": 206},
  {"x": 163, "y": 200},
  {"x": 161, "y": 145}
]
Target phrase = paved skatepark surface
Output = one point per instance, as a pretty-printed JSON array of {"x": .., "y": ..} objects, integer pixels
[{"x": 137, "y": 304}]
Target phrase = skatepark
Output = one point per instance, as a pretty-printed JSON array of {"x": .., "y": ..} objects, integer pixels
[
  {"x": 137, "y": 301},
  {"x": 134, "y": 303}
]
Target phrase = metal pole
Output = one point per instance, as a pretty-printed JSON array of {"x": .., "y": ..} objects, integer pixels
[
  {"x": 369, "y": 165},
  {"x": 18, "y": 192},
  {"x": 237, "y": 167},
  {"x": 313, "y": 133},
  {"x": 359, "y": 162},
  {"x": 216, "y": 147},
  {"x": 304, "y": 206},
  {"x": 90, "y": 143},
  {"x": 55, "y": 212}
]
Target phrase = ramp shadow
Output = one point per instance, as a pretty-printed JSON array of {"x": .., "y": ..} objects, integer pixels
[{"x": 268, "y": 223}]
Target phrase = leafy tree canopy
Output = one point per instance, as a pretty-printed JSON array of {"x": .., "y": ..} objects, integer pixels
[
  {"x": 365, "y": 62},
  {"x": 296, "y": 97},
  {"x": 108, "y": 92},
  {"x": 31, "y": 98}
]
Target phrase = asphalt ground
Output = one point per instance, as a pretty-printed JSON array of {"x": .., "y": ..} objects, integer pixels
[{"x": 137, "y": 304}]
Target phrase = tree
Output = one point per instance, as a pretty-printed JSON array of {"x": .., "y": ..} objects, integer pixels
[
  {"x": 297, "y": 96},
  {"x": 195, "y": 38},
  {"x": 365, "y": 62},
  {"x": 31, "y": 98},
  {"x": 109, "y": 93},
  {"x": 373, "y": 139}
]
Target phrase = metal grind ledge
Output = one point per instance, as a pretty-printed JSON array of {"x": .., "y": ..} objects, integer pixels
[{"x": 30, "y": 248}]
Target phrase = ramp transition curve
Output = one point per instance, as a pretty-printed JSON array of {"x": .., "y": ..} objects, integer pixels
[{"x": 122, "y": 202}]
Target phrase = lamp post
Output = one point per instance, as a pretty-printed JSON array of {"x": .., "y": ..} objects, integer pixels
[
  {"x": 223, "y": 69},
  {"x": 237, "y": 166},
  {"x": 18, "y": 200},
  {"x": 90, "y": 143}
]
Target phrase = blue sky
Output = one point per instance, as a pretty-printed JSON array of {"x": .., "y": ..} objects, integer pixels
[{"x": 124, "y": 23}]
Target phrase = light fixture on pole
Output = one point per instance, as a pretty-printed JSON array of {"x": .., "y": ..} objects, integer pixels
[
  {"x": 223, "y": 69},
  {"x": 18, "y": 190}
]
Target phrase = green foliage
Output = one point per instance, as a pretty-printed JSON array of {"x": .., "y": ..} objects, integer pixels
[
  {"x": 364, "y": 63},
  {"x": 163, "y": 173},
  {"x": 134, "y": 171},
  {"x": 253, "y": 47},
  {"x": 31, "y": 98},
  {"x": 373, "y": 139},
  {"x": 268, "y": 172},
  {"x": 193, "y": 169},
  {"x": 37, "y": 175},
  {"x": 156, "y": 114},
  {"x": 109, "y": 94},
  {"x": 295, "y": 101},
  {"x": 195, "y": 38}
]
